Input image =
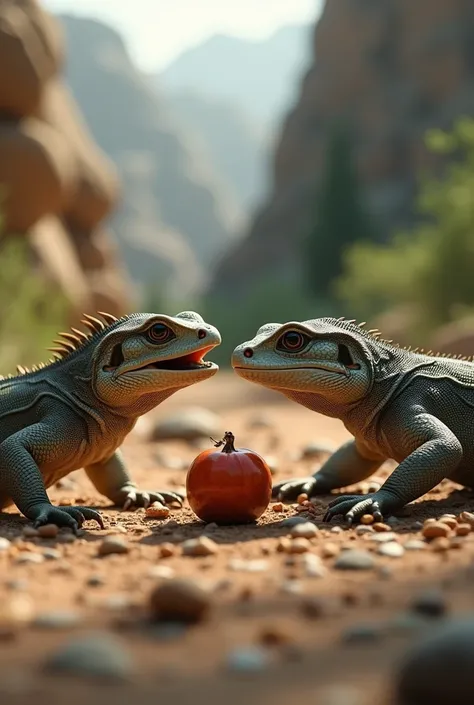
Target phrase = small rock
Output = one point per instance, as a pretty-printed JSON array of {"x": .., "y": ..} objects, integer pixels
[
  {"x": 52, "y": 554},
  {"x": 252, "y": 566},
  {"x": 5, "y": 544},
  {"x": 336, "y": 529},
  {"x": 278, "y": 507},
  {"x": 330, "y": 550},
  {"x": 361, "y": 633},
  {"x": 414, "y": 545},
  {"x": 302, "y": 498},
  {"x": 463, "y": 529},
  {"x": 193, "y": 423},
  {"x": 467, "y": 518},
  {"x": 157, "y": 510},
  {"x": 95, "y": 580},
  {"x": 94, "y": 655},
  {"x": 367, "y": 519},
  {"x": 29, "y": 557},
  {"x": 441, "y": 544},
  {"x": 202, "y": 546},
  {"x": 435, "y": 529},
  {"x": 313, "y": 567},
  {"x": 355, "y": 559},
  {"x": 48, "y": 531},
  {"x": 30, "y": 532},
  {"x": 17, "y": 584},
  {"x": 298, "y": 545},
  {"x": 164, "y": 572},
  {"x": 274, "y": 635},
  {"x": 384, "y": 537},
  {"x": 292, "y": 586},
  {"x": 117, "y": 602},
  {"x": 179, "y": 600},
  {"x": 67, "y": 538},
  {"x": 439, "y": 669},
  {"x": 316, "y": 450},
  {"x": 212, "y": 526},
  {"x": 305, "y": 530},
  {"x": 391, "y": 549},
  {"x": 363, "y": 529},
  {"x": 393, "y": 521},
  {"x": 57, "y": 620},
  {"x": 314, "y": 607},
  {"x": 113, "y": 544},
  {"x": 449, "y": 520},
  {"x": 251, "y": 659},
  {"x": 430, "y": 604},
  {"x": 293, "y": 521},
  {"x": 16, "y": 611},
  {"x": 380, "y": 527},
  {"x": 166, "y": 550}
]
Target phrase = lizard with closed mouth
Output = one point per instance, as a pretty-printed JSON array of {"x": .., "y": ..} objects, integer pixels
[
  {"x": 75, "y": 411},
  {"x": 397, "y": 403}
]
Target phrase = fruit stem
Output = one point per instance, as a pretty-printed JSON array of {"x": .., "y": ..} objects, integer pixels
[{"x": 227, "y": 442}]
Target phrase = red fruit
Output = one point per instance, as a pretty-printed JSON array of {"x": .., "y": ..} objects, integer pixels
[{"x": 229, "y": 486}]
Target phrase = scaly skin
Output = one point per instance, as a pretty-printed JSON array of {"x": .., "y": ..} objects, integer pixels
[
  {"x": 76, "y": 411},
  {"x": 414, "y": 408}
]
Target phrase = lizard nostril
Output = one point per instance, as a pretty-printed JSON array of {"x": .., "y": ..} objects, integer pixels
[
  {"x": 201, "y": 333},
  {"x": 248, "y": 352}
]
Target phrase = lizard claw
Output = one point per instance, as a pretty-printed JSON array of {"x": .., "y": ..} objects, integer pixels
[
  {"x": 353, "y": 507},
  {"x": 289, "y": 490},
  {"x": 132, "y": 498},
  {"x": 70, "y": 517}
]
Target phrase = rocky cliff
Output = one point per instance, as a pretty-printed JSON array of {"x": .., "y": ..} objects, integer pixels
[
  {"x": 393, "y": 68},
  {"x": 174, "y": 218},
  {"x": 56, "y": 185}
]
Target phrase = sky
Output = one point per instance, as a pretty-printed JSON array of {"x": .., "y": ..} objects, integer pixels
[{"x": 157, "y": 31}]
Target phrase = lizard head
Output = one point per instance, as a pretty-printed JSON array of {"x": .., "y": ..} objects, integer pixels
[
  {"x": 145, "y": 357},
  {"x": 321, "y": 363}
]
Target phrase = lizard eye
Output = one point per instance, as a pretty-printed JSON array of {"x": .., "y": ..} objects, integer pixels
[
  {"x": 292, "y": 341},
  {"x": 159, "y": 333}
]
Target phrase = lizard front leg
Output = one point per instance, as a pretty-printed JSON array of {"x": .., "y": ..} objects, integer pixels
[
  {"x": 433, "y": 453},
  {"x": 111, "y": 478},
  {"x": 21, "y": 479},
  {"x": 351, "y": 463}
]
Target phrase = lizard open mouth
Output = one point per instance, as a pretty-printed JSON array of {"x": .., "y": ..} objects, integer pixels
[{"x": 191, "y": 361}]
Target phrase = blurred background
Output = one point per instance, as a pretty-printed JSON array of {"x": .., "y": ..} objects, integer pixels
[{"x": 252, "y": 161}]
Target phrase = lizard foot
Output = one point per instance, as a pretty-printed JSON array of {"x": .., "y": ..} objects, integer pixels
[
  {"x": 290, "y": 489},
  {"x": 71, "y": 517},
  {"x": 130, "y": 497},
  {"x": 352, "y": 506}
]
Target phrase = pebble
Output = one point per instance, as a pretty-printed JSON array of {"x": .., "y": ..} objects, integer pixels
[
  {"x": 57, "y": 620},
  {"x": 430, "y": 604},
  {"x": 361, "y": 633},
  {"x": 330, "y": 550},
  {"x": 439, "y": 669},
  {"x": 336, "y": 529},
  {"x": 202, "y": 546},
  {"x": 67, "y": 538},
  {"x": 463, "y": 529},
  {"x": 113, "y": 544},
  {"x": 305, "y": 530},
  {"x": 252, "y": 566},
  {"x": 440, "y": 544},
  {"x": 354, "y": 559},
  {"x": 5, "y": 544},
  {"x": 467, "y": 518},
  {"x": 52, "y": 554},
  {"x": 95, "y": 580},
  {"x": 291, "y": 587},
  {"x": 250, "y": 659},
  {"x": 302, "y": 498},
  {"x": 16, "y": 611},
  {"x": 293, "y": 521},
  {"x": 363, "y": 529},
  {"x": 367, "y": 519},
  {"x": 313, "y": 567},
  {"x": 94, "y": 655},
  {"x": 157, "y": 510},
  {"x": 385, "y": 537},
  {"x": 164, "y": 572},
  {"x": 298, "y": 545},
  {"x": 316, "y": 450},
  {"x": 179, "y": 600},
  {"x": 166, "y": 550},
  {"x": 450, "y": 520},
  {"x": 435, "y": 529},
  {"x": 314, "y": 607},
  {"x": 193, "y": 423},
  {"x": 48, "y": 531},
  {"x": 391, "y": 549},
  {"x": 29, "y": 532},
  {"x": 29, "y": 557},
  {"x": 414, "y": 545},
  {"x": 17, "y": 584},
  {"x": 117, "y": 602},
  {"x": 278, "y": 507},
  {"x": 379, "y": 526}
]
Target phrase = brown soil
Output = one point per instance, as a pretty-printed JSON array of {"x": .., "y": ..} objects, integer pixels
[{"x": 314, "y": 662}]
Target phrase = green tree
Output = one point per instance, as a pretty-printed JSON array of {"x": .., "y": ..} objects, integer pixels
[
  {"x": 340, "y": 218},
  {"x": 431, "y": 267}
]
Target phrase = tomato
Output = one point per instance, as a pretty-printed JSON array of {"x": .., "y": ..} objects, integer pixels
[{"x": 228, "y": 486}]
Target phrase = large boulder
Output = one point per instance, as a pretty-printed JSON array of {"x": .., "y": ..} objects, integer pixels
[{"x": 31, "y": 52}]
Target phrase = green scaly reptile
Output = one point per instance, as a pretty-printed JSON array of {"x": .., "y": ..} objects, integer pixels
[
  {"x": 75, "y": 411},
  {"x": 397, "y": 403}
]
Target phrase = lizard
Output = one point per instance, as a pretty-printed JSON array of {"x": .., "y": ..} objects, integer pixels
[
  {"x": 75, "y": 410},
  {"x": 413, "y": 407}
]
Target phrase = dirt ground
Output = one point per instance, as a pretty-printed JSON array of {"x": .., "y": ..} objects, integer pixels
[{"x": 332, "y": 648}]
